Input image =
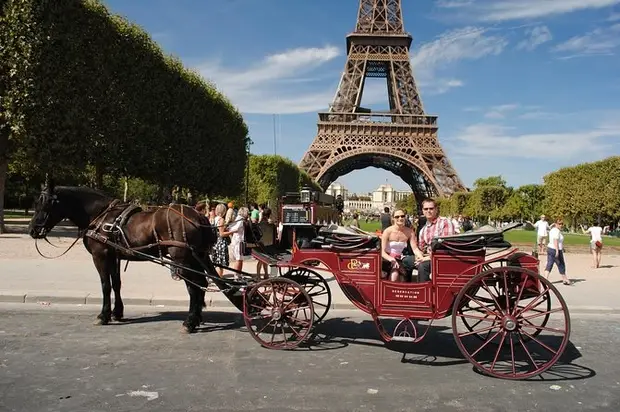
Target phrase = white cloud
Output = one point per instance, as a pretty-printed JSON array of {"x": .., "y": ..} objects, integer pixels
[
  {"x": 504, "y": 10},
  {"x": 469, "y": 43},
  {"x": 601, "y": 41},
  {"x": 453, "y": 4},
  {"x": 265, "y": 87},
  {"x": 538, "y": 114},
  {"x": 614, "y": 17},
  {"x": 536, "y": 36},
  {"x": 499, "y": 141},
  {"x": 499, "y": 112},
  {"x": 286, "y": 82}
]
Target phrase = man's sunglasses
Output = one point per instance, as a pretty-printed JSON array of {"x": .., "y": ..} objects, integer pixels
[{"x": 429, "y": 208}]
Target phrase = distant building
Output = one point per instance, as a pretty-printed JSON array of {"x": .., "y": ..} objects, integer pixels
[
  {"x": 384, "y": 196},
  {"x": 336, "y": 189},
  {"x": 388, "y": 196}
]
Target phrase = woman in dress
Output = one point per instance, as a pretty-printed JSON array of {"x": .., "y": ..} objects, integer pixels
[
  {"x": 220, "y": 249},
  {"x": 393, "y": 241},
  {"x": 236, "y": 231},
  {"x": 555, "y": 251},
  {"x": 596, "y": 244}
]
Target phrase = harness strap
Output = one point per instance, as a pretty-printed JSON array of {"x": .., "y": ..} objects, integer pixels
[
  {"x": 183, "y": 225},
  {"x": 168, "y": 221}
]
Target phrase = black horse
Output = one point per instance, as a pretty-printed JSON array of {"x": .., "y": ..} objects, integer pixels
[{"x": 177, "y": 231}]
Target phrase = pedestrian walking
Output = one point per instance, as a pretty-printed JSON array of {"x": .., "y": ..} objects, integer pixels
[
  {"x": 596, "y": 244},
  {"x": 542, "y": 232},
  {"x": 555, "y": 252}
]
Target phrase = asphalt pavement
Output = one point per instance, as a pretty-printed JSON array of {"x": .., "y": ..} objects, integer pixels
[{"x": 53, "y": 359}]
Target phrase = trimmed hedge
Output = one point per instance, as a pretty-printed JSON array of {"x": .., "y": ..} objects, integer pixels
[
  {"x": 88, "y": 88},
  {"x": 271, "y": 176}
]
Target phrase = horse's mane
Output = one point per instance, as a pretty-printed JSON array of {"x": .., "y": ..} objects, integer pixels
[{"x": 83, "y": 192}]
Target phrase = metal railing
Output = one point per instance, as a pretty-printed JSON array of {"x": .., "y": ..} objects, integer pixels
[{"x": 390, "y": 118}]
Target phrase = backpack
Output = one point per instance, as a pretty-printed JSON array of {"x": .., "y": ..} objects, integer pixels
[{"x": 252, "y": 231}]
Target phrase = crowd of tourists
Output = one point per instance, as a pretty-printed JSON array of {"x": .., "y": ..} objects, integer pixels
[{"x": 233, "y": 227}]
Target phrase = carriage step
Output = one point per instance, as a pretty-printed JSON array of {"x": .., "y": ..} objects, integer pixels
[{"x": 403, "y": 339}]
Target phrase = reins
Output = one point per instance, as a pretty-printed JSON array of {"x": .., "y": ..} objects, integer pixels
[
  {"x": 79, "y": 235},
  {"x": 36, "y": 245}
]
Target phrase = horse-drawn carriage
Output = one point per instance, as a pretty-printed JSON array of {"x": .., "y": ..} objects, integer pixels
[{"x": 505, "y": 319}]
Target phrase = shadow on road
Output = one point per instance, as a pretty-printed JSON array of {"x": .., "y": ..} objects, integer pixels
[{"x": 437, "y": 349}]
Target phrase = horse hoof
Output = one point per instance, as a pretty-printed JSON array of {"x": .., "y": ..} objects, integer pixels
[
  {"x": 117, "y": 318},
  {"x": 188, "y": 330},
  {"x": 101, "y": 322}
]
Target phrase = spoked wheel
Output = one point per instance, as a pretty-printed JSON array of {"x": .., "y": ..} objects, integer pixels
[
  {"x": 510, "y": 323},
  {"x": 482, "y": 314},
  {"x": 278, "y": 313},
  {"x": 317, "y": 289}
]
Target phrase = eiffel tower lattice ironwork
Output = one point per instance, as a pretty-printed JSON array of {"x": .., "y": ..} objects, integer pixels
[{"x": 403, "y": 140}]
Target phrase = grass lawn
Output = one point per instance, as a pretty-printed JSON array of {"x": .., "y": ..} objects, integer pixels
[
  {"x": 522, "y": 237},
  {"x": 12, "y": 214}
]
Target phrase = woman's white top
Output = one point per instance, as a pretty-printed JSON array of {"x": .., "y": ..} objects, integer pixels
[
  {"x": 237, "y": 228},
  {"x": 597, "y": 233},
  {"x": 555, "y": 234}
]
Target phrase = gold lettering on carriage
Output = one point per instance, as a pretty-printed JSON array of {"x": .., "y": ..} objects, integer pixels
[
  {"x": 355, "y": 264},
  {"x": 406, "y": 294}
]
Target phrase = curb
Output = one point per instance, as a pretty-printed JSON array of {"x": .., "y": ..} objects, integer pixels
[
  {"x": 97, "y": 300},
  {"x": 14, "y": 297}
]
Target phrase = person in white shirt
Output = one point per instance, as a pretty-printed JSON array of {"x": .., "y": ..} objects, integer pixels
[
  {"x": 596, "y": 244},
  {"x": 236, "y": 231},
  {"x": 542, "y": 230},
  {"x": 555, "y": 252}
]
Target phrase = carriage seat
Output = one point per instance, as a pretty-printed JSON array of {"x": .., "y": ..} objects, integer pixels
[
  {"x": 486, "y": 237},
  {"x": 344, "y": 238}
]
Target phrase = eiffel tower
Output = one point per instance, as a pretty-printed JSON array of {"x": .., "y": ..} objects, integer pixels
[{"x": 403, "y": 140}]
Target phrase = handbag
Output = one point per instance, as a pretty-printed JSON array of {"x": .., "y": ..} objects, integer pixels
[{"x": 598, "y": 244}]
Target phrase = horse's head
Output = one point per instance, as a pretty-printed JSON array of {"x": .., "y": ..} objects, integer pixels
[{"x": 48, "y": 212}]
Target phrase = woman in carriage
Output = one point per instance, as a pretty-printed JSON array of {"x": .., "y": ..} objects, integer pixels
[{"x": 394, "y": 241}]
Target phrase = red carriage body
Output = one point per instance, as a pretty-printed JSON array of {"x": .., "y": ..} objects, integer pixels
[{"x": 477, "y": 278}]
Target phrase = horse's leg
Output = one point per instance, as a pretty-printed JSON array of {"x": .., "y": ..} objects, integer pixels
[
  {"x": 196, "y": 299},
  {"x": 200, "y": 297},
  {"x": 105, "y": 267},
  {"x": 118, "y": 312}
]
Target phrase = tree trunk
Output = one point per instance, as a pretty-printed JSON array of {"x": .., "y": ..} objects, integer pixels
[
  {"x": 99, "y": 176},
  {"x": 4, "y": 163},
  {"x": 4, "y": 166},
  {"x": 125, "y": 189}
]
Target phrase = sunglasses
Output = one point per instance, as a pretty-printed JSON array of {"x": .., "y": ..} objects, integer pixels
[
  {"x": 429, "y": 208},
  {"x": 399, "y": 217}
]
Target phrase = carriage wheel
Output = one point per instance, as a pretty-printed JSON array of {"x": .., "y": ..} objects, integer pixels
[
  {"x": 278, "y": 313},
  {"x": 481, "y": 313},
  {"x": 520, "y": 327},
  {"x": 317, "y": 289}
]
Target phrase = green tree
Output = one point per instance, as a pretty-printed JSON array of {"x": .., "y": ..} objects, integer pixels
[
  {"x": 272, "y": 176},
  {"x": 584, "y": 193},
  {"x": 409, "y": 204},
  {"x": 525, "y": 203},
  {"x": 488, "y": 199},
  {"x": 88, "y": 91}
]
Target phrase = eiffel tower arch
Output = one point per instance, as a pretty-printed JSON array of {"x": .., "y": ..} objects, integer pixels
[{"x": 404, "y": 140}]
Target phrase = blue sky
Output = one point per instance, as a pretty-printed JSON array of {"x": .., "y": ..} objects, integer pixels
[{"x": 521, "y": 87}]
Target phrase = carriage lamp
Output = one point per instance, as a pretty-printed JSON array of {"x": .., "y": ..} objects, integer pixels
[{"x": 305, "y": 195}]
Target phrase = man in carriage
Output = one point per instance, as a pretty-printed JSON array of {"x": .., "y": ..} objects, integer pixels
[{"x": 435, "y": 226}]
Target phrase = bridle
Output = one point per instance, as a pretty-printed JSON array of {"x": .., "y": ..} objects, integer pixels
[{"x": 48, "y": 200}]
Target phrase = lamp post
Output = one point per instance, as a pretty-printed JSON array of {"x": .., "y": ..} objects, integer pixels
[{"x": 247, "y": 171}]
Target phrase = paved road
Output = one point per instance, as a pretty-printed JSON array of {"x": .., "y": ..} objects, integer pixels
[{"x": 52, "y": 359}]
